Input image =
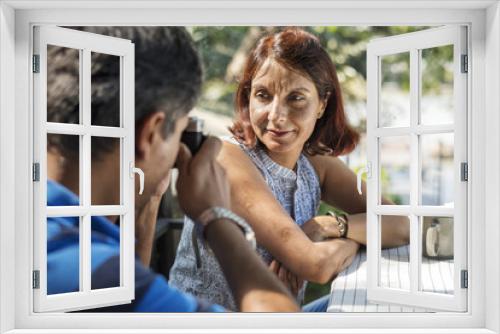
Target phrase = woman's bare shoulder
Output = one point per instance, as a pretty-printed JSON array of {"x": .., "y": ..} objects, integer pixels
[
  {"x": 324, "y": 163},
  {"x": 232, "y": 153},
  {"x": 236, "y": 161}
]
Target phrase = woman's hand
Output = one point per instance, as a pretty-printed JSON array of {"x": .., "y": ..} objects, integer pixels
[
  {"x": 320, "y": 228},
  {"x": 289, "y": 279},
  {"x": 345, "y": 251},
  {"x": 243, "y": 132}
]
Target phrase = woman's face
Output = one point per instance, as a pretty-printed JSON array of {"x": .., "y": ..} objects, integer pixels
[{"x": 284, "y": 106}]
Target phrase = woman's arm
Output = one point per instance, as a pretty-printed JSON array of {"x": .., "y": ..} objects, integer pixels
[
  {"x": 274, "y": 228},
  {"x": 202, "y": 184},
  {"x": 338, "y": 188}
]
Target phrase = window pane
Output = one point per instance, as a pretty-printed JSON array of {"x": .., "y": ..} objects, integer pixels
[
  {"x": 437, "y": 268},
  {"x": 106, "y": 172},
  {"x": 394, "y": 262},
  {"x": 63, "y": 263},
  {"x": 395, "y": 90},
  {"x": 105, "y": 90},
  {"x": 436, "y": 103},
  {"x": 63, "y": 168},
  {"x": 437, "y": 169},
  {"x": 63, "y": 85},
  {"x": 395, "y": 169},
  {"x": 105, "y": 258}
]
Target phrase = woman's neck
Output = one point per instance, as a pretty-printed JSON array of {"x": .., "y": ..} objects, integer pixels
[{"x": 286, "y": 159}]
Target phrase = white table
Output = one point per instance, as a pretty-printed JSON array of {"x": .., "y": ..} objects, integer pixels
[{"x": 348, "y": 290}]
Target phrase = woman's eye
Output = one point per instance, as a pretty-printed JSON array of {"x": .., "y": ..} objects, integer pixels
[
  {"x": 295, "y": 98},
  {"x": 262, "y": 95}
]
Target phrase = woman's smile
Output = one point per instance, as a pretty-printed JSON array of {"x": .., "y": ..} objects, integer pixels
[{"x": 279, "y": 133}]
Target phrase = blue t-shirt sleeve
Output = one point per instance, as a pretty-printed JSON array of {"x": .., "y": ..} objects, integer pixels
[{"x": 152, "y": 292}]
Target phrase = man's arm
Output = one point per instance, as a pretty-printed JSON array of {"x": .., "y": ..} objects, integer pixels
[
  {"x": 255, "y": 288},
  {"x": 145, "y": 222}
]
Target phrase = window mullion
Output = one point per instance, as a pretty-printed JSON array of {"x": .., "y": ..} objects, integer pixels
[
  {"x": 85, "y": 167},
  {"x": 127, "y": 117},
  {"x": 460, "y": 155},
  {"x": 414, "y": 169}
]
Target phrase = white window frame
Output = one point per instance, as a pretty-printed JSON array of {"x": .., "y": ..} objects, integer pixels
[
  {"x": 86, "y": 43},
  {"x": 411, "y": 44},
  {"x": 16, "y": 21}
]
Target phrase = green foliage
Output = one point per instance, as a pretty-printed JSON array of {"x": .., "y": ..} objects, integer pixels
[
  {"x": 315, "y": 291},
  {"x": 217, "y": 46},
  {"x": 346, "y": 46},
  {"x": 437, "y": 69}
]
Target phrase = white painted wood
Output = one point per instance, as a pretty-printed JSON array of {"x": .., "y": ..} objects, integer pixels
[
  {"x": 85, "y": 298},
  {"x": 40, "y": 156},
  {"x": 413, "y": 43},
  {"x": 86, "y": 41},
  {"x": 420, "y": 210},
  {"x": 95, "y": 210},
  {"x": 345, "y": 298},
  {"x": 417, "y": 129},
  {"x": 414, "y": 168},
  {"x": 86, "y": 168},
  {"x": 246, "y": 4},
  {"x": 373, "y": 249},
  {"x": 484, "y": 44},
  {"x": 78, "y": 129},
  {"x": 460, "y": 155},
  {"x": 416, "y": 40},
  {"x": 7, "y": 168},
  {"x": 489, "y": 175},
  {"x": 127, "y": 233}
]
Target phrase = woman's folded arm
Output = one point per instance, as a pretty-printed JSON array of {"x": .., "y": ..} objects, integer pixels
[
  {"x": 274, "y": 228},
  {"x": 339, "y": 189}
]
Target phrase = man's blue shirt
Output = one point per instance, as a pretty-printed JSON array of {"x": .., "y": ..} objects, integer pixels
[{"x": 152, "y": 292}]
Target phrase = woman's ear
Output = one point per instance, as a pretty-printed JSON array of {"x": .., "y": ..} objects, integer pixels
[
  {"x": 322, "y": 105},
  {"x": 148, "y": 132},
  {"x": 321, "y": 112}
]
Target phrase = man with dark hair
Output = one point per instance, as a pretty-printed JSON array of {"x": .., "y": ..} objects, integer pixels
[{"x": 168, "y": 77}]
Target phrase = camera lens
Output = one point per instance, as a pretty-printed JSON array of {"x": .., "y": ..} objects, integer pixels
[{"x": 193, "y": 135}]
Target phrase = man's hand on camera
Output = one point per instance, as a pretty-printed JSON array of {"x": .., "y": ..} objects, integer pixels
[{"x": 202, "y": 182}]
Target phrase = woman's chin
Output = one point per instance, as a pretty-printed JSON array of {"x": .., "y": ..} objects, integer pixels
[{"x": 278, "y": 147}]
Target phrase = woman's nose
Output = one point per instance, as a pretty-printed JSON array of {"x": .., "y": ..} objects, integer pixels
[{"x": 277, "y": 113}]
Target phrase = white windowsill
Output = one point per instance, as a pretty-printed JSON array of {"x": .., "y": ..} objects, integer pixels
[{"x": 15, "y": 173}]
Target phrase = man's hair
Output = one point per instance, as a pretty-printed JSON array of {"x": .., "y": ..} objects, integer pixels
[{"x": 168, "y": 78}]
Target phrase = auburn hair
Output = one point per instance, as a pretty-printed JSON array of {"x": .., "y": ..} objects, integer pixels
[{"x": 300, "y": 51}]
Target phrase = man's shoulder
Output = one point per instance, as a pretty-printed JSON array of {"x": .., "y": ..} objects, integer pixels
[{"x": 152, "y": 292}]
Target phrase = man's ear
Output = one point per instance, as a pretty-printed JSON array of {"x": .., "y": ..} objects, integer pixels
[{"x": 148, "y": 132}]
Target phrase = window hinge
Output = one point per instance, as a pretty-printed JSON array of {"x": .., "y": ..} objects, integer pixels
[
  {"x": 464, "y": 279},
  {"x": 465, "y": 65},
  {"x": 36, "y": 171},
  {"x": 36, "y": 63},
  {"x": 464, "y": 171},
  {"x": 36, "y": 279}
]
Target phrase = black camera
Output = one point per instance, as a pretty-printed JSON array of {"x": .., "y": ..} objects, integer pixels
[{"x": 193, "y": 136}]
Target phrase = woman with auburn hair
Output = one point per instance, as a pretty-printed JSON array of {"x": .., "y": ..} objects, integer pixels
[{"x": 290, "y": 128}]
